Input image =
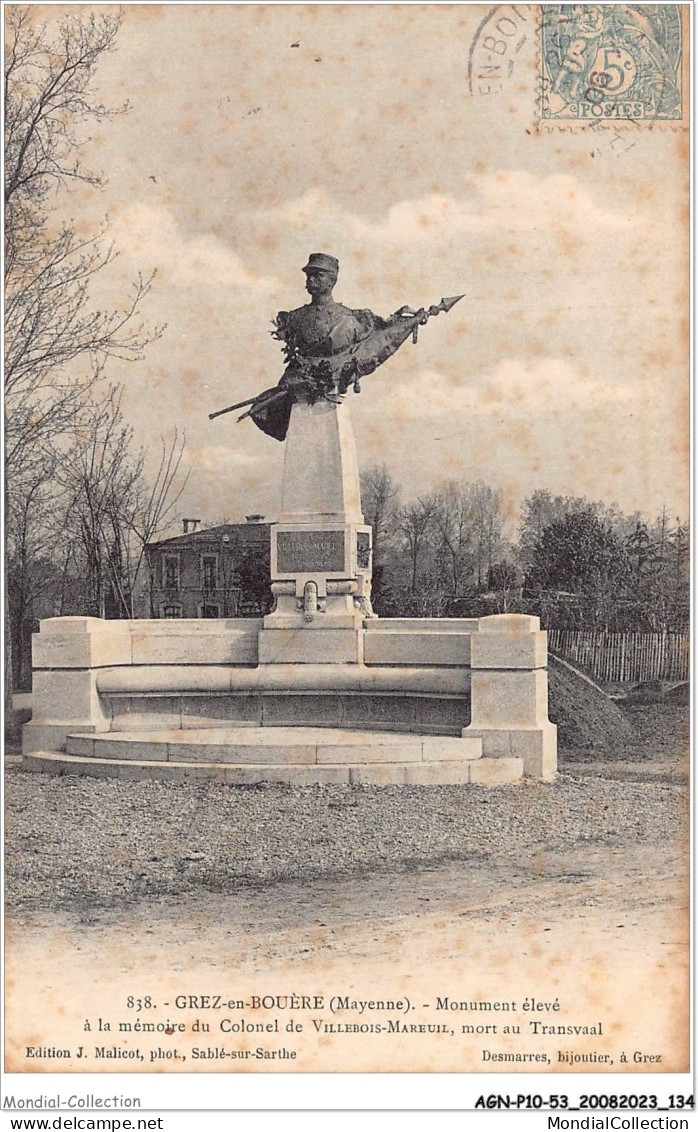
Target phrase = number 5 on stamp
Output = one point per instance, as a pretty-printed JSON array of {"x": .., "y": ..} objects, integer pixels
[{"x": 612, "y": 62}]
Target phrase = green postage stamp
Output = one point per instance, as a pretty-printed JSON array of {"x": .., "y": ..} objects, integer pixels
[{"x": 613, "y": 62}]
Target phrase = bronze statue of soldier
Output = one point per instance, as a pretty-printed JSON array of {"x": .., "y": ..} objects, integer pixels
[{"x": 328, "y": 347}]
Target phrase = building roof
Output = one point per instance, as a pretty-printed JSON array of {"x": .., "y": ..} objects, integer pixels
[{"x": 235, "y": 533}]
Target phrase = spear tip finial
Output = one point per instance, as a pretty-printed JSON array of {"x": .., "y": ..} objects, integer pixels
[{"x": 446, "y": 304}]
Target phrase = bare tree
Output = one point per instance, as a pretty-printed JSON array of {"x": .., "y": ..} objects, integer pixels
[
  {"x": 380, "y": 500},
  {"x": 453, "y": 522},
  {"x": 56, "y": 347},
  {"x": 154, "y": 502},
  {"x": 113, "y": 508},
  {"x": 380, "y": 497},
  {"x": 34, "y": 539},
  {"x": 98, "y": 477},
  {"x": 416, "y": 526},
  {"x": 56, "y": 342},
  {"x": 487, "y": 519}
]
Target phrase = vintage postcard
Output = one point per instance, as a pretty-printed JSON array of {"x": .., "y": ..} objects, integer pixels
[{"x": 347, "y": 553}]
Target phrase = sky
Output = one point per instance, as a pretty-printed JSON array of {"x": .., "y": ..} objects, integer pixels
[{"x": 257, "y": 134}]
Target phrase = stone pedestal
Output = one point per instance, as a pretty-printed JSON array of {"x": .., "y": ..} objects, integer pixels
[
  {"x": 321, "y": 547},
  {"x": 321, "y": 474},
  {"x": 509, "y": 693},
  {"x": 68, "y": 654}
]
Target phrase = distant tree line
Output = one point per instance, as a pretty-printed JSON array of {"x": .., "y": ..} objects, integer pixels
[{"x": 574, "y": 562}]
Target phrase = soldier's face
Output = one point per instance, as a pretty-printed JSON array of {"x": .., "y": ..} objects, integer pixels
[{"x": 319, "y": 282}]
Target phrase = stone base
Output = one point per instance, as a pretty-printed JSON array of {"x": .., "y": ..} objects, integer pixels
[
  {"x": 311, "y": 646},
  {"x": 399, "y": 675},
  {"x": 369, "y": 710},
  {"x": 47, "y": 736},
  {"x": 300, "y": 756},
  {"x": 275, "y": 745},
  {"x": 484, "y": 772},
  {"x": 295, "y": 622},
  {"x": 537, "y": 747}
]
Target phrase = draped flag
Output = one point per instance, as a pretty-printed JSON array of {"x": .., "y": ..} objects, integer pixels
[{"x": 329, "y": 376}]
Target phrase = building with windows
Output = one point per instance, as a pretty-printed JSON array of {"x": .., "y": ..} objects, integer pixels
[{"x": 216, "y": 572}]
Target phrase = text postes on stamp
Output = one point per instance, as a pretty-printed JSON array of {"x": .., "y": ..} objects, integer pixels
[{"x": 611, "y": 62}]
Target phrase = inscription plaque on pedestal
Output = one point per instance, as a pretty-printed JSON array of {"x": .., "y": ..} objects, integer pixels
[{"x": 308, "y": 551}]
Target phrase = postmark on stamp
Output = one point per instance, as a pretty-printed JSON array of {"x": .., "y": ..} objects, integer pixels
[
  {"x": 499, "y": 38},
  {"x": 612, "y": 62}
]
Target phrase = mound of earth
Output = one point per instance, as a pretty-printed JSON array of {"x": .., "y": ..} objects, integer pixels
[
  {"x": 679, "y": 696},
  {"x": 585, "y": 716},
  {"x": 648, "y": 692},
  {"x": 659, "y": 692}
]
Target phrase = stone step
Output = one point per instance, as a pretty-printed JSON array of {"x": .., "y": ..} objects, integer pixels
[
  {"x": 477, "y": 772},
  {"x": 278, "y": 746}
]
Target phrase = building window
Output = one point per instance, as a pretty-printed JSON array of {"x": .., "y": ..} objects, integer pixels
[
  {"x": 209, "y": 571},
  {"x": 170, "y": 572},
  {"x": 172, "y": 611},
  {"x": 210, "y": 611}
]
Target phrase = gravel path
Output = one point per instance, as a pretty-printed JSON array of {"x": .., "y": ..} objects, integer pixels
[{"x": 75, "y": 843}]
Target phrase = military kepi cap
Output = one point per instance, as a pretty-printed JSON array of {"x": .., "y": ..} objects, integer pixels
[{"x": 318, "y": 261}]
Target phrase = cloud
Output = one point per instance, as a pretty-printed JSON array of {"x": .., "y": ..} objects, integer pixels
[
  {"x": 549, "y": 384},
  {"x": 515, "y": 386},
  {"x": 153, "y": 235},
  {"x": 229, "y": 480},
  {"x": 518, "y": 200},
  {"x": 509, "y": 201},
  {"x": 222, "y": 460}
]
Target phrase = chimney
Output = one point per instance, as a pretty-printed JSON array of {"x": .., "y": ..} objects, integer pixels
[
  {"x": 254, "y": 518},
  {"x": 190, "y": 525}
]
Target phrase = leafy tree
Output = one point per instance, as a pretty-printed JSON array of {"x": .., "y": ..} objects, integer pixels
[
  {"x": 503, "y": 576},
  {"x": 253, "y": 571},
  {"x": 541, "y": 509},
  {"x": 580, "y": 555},
  {"x": 575, "y": 552},
  {"x": 538, "y": 512},
  {"x": 639, "y": 550}
]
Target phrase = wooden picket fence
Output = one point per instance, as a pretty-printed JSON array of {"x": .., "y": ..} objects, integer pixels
[{"x": 618, "y": 658}]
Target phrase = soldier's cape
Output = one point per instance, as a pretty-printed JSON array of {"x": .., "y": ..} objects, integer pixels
[{"x": 271, "y": 411}]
